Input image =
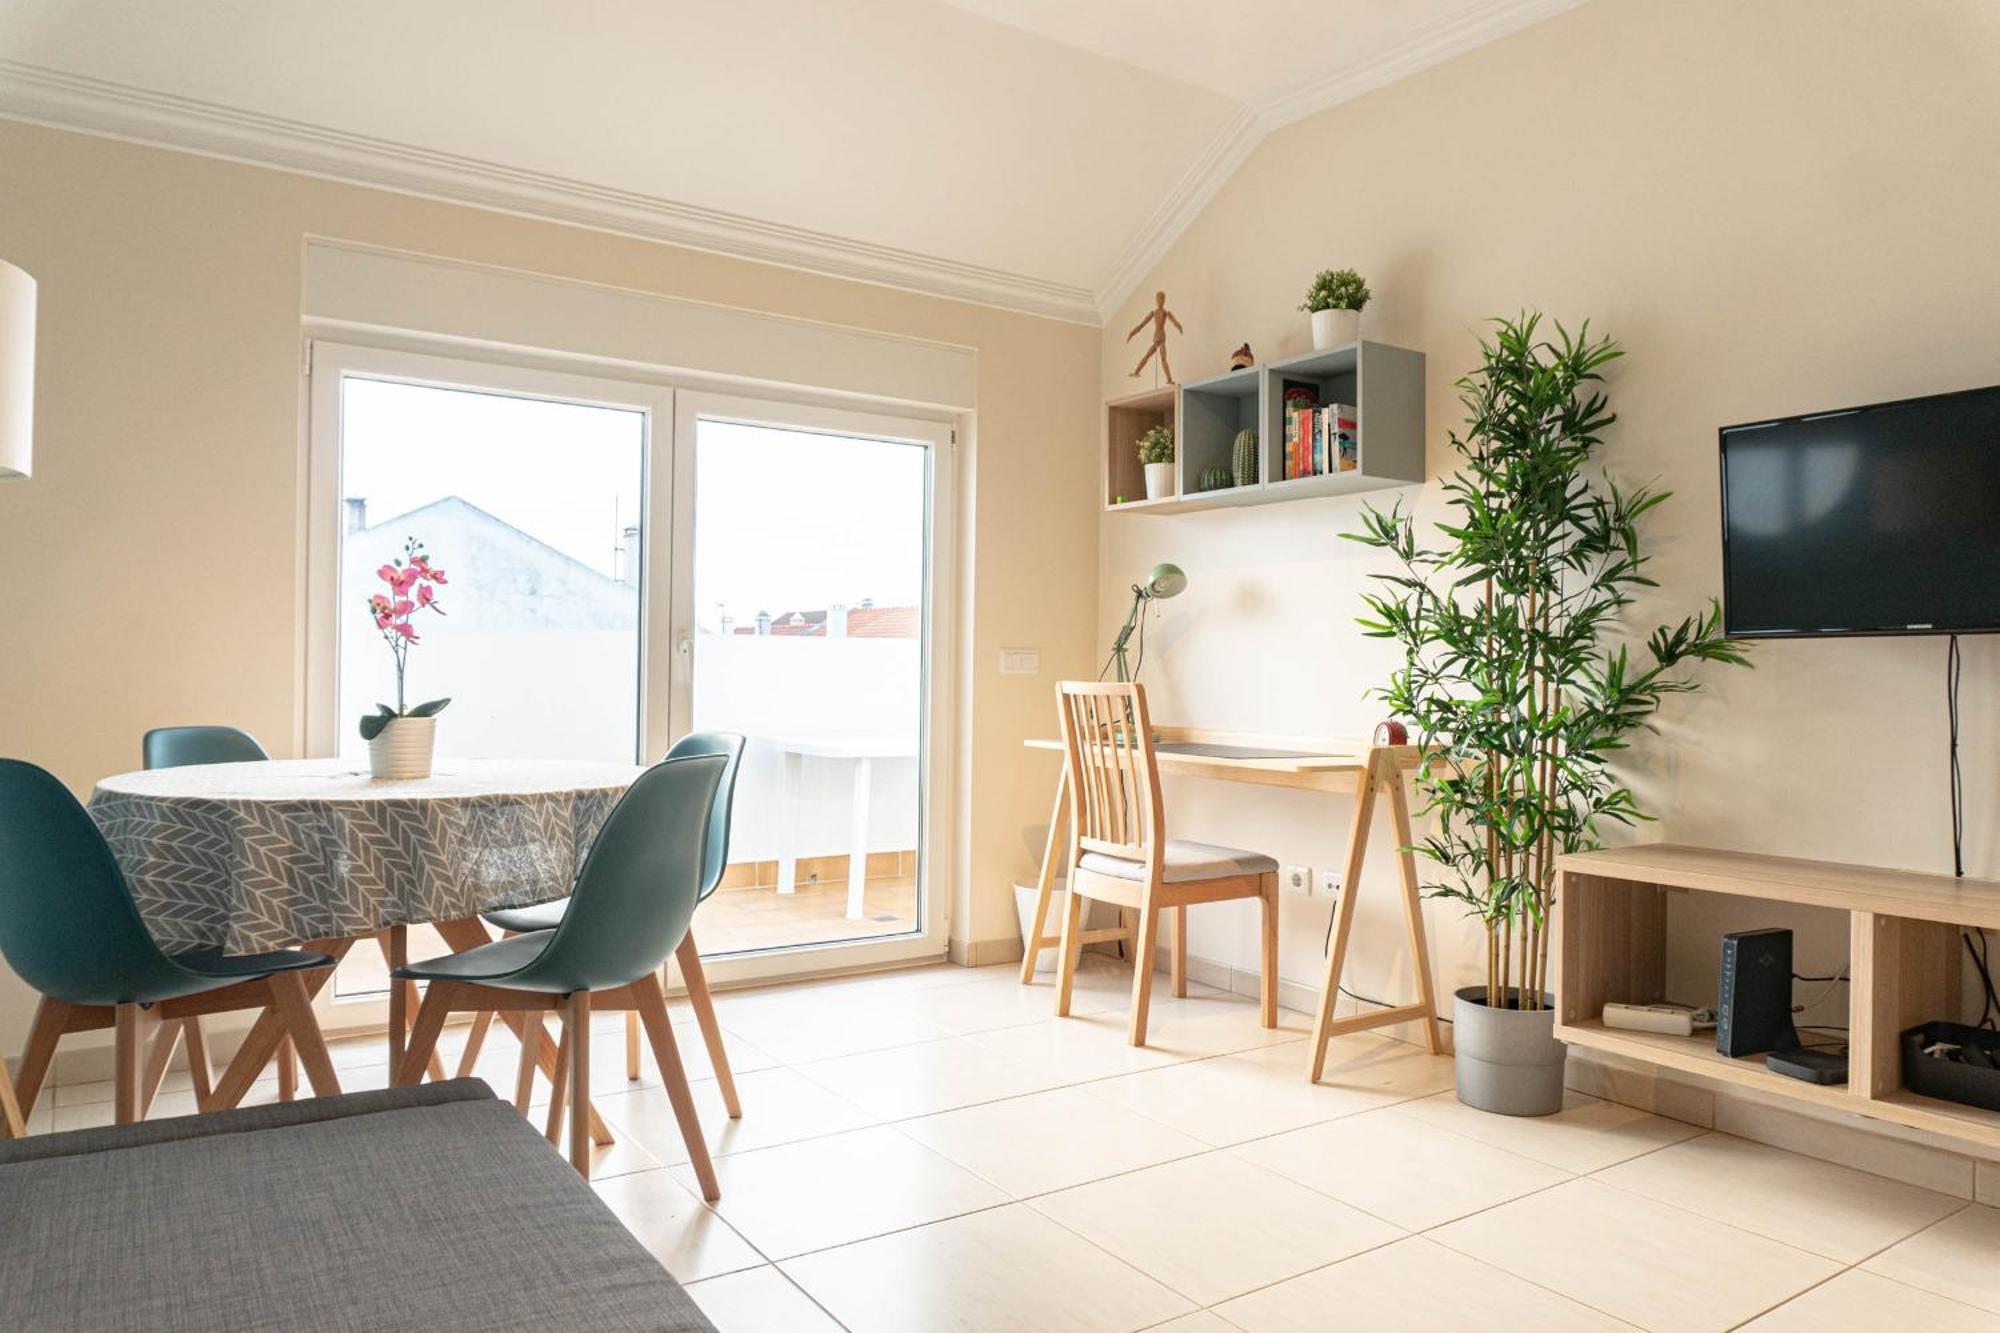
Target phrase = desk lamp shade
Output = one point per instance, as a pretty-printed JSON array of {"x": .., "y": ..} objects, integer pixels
[
  {"x": 1165, "y": 581},
  {"x": 17, "y": 371}
]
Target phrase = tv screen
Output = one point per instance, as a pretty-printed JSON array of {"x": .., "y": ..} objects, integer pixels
[{"x": 1873, "y": 520}]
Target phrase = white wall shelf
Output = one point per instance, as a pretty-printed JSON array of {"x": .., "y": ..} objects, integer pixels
[{"x": 1385, "y": 384}]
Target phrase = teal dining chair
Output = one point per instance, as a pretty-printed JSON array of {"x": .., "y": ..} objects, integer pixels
[
  {"x": 177, "y": 747},
  {"x": 180, "y": 747},
  {"x": 547, "y": 916},
  {"x": 69, "y": 928},
  {"x": 631, "y": 906}
]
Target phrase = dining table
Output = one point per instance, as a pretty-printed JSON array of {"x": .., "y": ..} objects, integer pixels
[{"x": 319, "y": 855}]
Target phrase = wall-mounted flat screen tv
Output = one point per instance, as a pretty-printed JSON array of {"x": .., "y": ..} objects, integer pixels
[{"x": 1870, "y": 520}]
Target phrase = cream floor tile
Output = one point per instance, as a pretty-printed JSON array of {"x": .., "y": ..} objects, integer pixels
[
  {"x": 686, "y": 1236},
  {"x": 779, "y": 1106},
  {"x": 1400, "y": 1169},
  {"x": 1050, "y": 1140},
  {"x": 1986, "y": 1183},
  {"x": 1959, "y": 1258},
  {"x": 1002, "y": 1270},
  {"x": 1231, "y": 1099},
  {"x": 894, "y": 981},
  {"x": 759, "y": 1300},
  {"x": 1370, "y": 1062},
  {"x": 1653, "y": 1265},
  {"x": 1073, "y": 1051},
  {"x": 843, "y": 1188},
  {"x": 1586, "y": 1135},
  {"x": 1850, "y": 1145},
  {"x": 89, "y": 1115},
  {"x": 807, "y": 1024},
  {"x": 1412, "y": 1286},
  {"x": 1814, "y": 1205},
  {"x": 1000, "y": 1002},
  {"x": 1215, "y": 1226},
  {"x": 1201, "y": 1321},
  {"x": 923, "y": 1079},
  {"x": 1860, "y": 1302}
]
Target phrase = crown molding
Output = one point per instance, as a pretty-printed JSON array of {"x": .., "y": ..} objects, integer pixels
[
  {"x": 1480, "y": 23},
  {"x": 95, "y": 106}
]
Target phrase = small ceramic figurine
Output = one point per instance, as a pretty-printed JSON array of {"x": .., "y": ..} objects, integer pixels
[
  {"x": 1241, "y": 359},
  {"x": 1159, "y": 319}
]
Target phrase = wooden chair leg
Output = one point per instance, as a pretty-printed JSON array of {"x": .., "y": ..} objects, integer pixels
[
  {"x": 202, "y": 1073},
  {"x": 1268, "y": 980},
  {"x": 294, "y": 1004},
  {"x": 531, "y": 1049},
  {"x": 157, "y": 1060},
  {"x": 51, "y": 1017},
  {"x": 1178, "y": 959},
  {"x": 1071, "y": 947},
  {"x": 13, "y": 1125},
  {"x": 288, "y": 1071},
  {"x": 132, "y": 1024},
  {"x": 559, "y": 1092},
  {"x": 631, "y": 1047},
  {"x": 475, "y": 1041},
  {"x": 576, "y": 1019},
  {"x": 652, "y": 1006},
  {"x": 703, "y": 1004},
  {"x": 431, "y": 1014},
  {"x": 1142, "y": 968}
]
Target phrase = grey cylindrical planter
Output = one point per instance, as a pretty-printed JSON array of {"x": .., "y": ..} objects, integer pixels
[{"x": 1506, "y": 1060}]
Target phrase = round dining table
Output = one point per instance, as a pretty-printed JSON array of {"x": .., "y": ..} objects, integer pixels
[{"x": 315, "y": 853}]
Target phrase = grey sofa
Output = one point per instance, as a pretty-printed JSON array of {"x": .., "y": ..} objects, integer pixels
[{"x": 435, "y": 1207}]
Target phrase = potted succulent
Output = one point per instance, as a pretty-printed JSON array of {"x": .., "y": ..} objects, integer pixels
[
  {"x": 1334, "y": 301},
  {"x": 1156, "y": 452},
  {"x": 403, "y": 739},
  {"x": 1518, "y": 680}
]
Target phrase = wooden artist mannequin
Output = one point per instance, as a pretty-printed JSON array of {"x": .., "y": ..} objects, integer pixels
[{"x": 1159, "y": 318}]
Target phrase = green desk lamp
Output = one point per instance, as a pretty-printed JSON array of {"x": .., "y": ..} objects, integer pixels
[{"x": 1164, "y": 581}]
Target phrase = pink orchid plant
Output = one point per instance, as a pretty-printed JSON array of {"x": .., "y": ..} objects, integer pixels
[{"x": 412, "y": 588}]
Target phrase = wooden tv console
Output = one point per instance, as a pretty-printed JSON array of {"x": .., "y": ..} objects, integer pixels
[{"x": 1905, "y": 956}]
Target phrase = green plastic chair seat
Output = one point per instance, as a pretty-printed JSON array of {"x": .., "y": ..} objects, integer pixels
[
  {"x": 525, "y": 920},
  {"x": 633, "y": 900},
  {"x": 715, "y": 849},
  {"x": 230, "y": 968}
]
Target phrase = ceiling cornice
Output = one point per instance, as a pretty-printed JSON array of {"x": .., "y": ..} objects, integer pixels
[
  {"x": 96, "y": 106},
  {"x": 1482, "y": 22}
]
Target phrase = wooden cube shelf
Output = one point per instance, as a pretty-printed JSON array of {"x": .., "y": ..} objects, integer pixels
[{"x": 1904, "y": 968}]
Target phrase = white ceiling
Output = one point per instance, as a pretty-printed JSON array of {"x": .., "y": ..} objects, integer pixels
[{"x": 1035, "y": 154}]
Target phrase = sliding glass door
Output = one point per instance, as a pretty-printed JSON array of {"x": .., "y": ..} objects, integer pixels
[{"x": 626, "y": 564}]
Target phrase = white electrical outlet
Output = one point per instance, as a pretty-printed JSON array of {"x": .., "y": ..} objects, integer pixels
[
  {"x": 1299, "y": 879},
  {"x": 1329, "y": 883}
]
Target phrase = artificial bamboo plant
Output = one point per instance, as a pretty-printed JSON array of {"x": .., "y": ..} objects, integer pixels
[{"x": 1517, "y": 678}]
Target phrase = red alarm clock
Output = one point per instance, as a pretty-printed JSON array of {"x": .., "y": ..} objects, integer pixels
[{"x": 1391, "y": 733}]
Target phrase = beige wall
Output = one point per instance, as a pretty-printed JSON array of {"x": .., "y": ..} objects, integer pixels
[
  {"x": 1776, "y": 206},
  {"x": 149, "y": 571}
]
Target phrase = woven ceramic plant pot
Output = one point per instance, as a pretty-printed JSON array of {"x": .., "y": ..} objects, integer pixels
[
  {"x": 403, "y": 748},
  {"x": 1333, "y": 328}
]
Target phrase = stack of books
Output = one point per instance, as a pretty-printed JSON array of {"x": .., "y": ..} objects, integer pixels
[{"x": 1320, "y": 438}]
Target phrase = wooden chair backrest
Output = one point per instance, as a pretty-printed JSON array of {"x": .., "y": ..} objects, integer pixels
[{"x": 1114, "y": 779}]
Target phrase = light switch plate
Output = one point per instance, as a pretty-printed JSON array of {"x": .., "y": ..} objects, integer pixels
[{"x": 1020, "y": 661}]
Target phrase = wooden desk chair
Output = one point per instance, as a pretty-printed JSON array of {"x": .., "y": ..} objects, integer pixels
[
  {"x": 631, "y": 906},
  {"x": 69, "y": 928},
  {"x": 1119, "y": 851}
]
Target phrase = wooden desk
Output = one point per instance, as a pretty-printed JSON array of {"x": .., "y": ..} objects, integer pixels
[{"x": 1358, "y": 769}]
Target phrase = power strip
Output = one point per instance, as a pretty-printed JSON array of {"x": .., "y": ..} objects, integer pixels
[{"x": 1673, "y": 1020}]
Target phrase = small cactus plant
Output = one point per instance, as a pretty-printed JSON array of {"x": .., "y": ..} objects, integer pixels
[
  {"x": 1215, "y": 479},
  {"x": 1243, "y": 458}
]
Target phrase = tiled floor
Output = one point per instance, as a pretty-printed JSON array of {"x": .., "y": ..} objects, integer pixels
[{"x": 932, "y": 1150}]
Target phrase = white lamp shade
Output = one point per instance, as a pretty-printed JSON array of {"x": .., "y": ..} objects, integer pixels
[{"x": 17, "y": 371}]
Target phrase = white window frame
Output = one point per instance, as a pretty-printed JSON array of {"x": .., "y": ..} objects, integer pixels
[{"x": 666, "y": 593}]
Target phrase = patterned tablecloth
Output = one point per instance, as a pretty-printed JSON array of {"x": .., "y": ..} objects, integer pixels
[{"x": 260, "y": 856}]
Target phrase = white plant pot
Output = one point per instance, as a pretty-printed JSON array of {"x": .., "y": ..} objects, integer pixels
[
  {"x": 403, "y": 749},
  {"x": 1159, "y": 481},
  {"x": 1332, "y": 328}
]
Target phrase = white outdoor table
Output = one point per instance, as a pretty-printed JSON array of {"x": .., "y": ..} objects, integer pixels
[{"x": 862, "y": 749}]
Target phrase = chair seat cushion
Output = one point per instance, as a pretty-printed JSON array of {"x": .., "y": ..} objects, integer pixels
[
  {"x": 241, "y": 966},
  {"x": 521, "y": 920},
  {"x": 488, "y": 962},
  {"x": 1185, "y": 862}
]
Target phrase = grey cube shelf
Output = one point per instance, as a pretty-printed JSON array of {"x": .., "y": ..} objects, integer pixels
[{"x": 1385, "y": 384}]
